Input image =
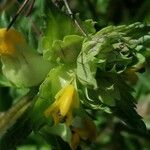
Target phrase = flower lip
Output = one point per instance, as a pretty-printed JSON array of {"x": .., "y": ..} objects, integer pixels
[
  {"x": 63, "y": 106},
  {"x": 9, "y": 41}
]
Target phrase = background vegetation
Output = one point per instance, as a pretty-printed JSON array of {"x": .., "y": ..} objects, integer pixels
[{"x": 112, "y": 134}]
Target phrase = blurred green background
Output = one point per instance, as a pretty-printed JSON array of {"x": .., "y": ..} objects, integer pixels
[{"x": 111, "y": 134}]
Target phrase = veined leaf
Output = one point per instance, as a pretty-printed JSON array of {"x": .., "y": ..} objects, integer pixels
[{"x": 103, "y": 59}]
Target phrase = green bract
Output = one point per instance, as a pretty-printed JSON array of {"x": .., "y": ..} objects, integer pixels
[
  {"x": 21, "y": 65},
  {"x": 56, "y": 79},
  {"x": 25, "y": 71},
  {"x": 65, "y": 51},
  {"x": 62, "y": 40},
  {"x": 113, "y": 49},
  {"x": 101, "y": 64}
]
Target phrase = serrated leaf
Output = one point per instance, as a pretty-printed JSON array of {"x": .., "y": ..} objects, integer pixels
[
  {"x": 85, "y": 72},
  {"x": 66, "y": 50},
  {"x": 115, "y": 47},
  {"x": 114, "y": 93},
  {"x": 126, "y": 109}
]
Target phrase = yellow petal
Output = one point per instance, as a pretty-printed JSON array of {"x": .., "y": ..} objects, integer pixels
[
  {"x": 63, "y": 106},
  {"x": 66, "y": 100},
  {"x": 9, "y": 41}
]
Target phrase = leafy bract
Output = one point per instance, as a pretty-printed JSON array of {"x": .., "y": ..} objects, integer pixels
[
  {"x": 62, "y": 38},
  {"x": 112, "y": 49},
  {"x": 101, "y": 64},
  {"x": 65, "y": 51},
  {"x": 57, "y": 78}
]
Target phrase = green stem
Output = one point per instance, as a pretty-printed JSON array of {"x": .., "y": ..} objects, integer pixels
[{"x": 8, "y": 119}]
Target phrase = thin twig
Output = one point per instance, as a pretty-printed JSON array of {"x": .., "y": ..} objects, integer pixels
[
  {"x": 30, "y": 8},
  {"x": 73, "y": 17},
  {"x": 17, "y": 14},
  {"x": 34, "y": 26}
]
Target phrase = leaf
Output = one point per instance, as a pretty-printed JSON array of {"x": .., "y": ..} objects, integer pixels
[
  {"x": 61, "y": 130},
  {"x": 112, "y": 49},
  {"x": 118, "y": 98},
  {"x": 88, "y": 26},
  {"x": 56, "y": 21},
  {"x": 4, "y": 81},
  {"x": 106, "y": 93},
  {"x": 86, "y": 73},
  {"x": 66, "y": 51},
  {"x": 125, "y": 107},
  {"x": 69, "y": 40},
  {"x": 113, "y": 93}
]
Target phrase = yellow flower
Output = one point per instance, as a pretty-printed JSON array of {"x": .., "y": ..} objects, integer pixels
[
  {"x": 21, "y": 64},
  {"x": 62, "y": 108},
  {"x": 9, "y": 41}
]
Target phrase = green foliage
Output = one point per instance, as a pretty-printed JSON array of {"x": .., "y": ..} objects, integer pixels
[{"x": 100, "y": 66}]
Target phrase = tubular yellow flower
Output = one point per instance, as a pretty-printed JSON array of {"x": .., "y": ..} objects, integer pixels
[
  {"x": 9, "y": 41},
  {"x": 21, "y": 64},
  {"x": 63, "y": 106}
]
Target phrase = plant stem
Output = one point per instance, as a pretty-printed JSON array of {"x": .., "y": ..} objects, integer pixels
[
  {"x": 73, "y": 17},
  {"x": 13, "y": 114}
]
